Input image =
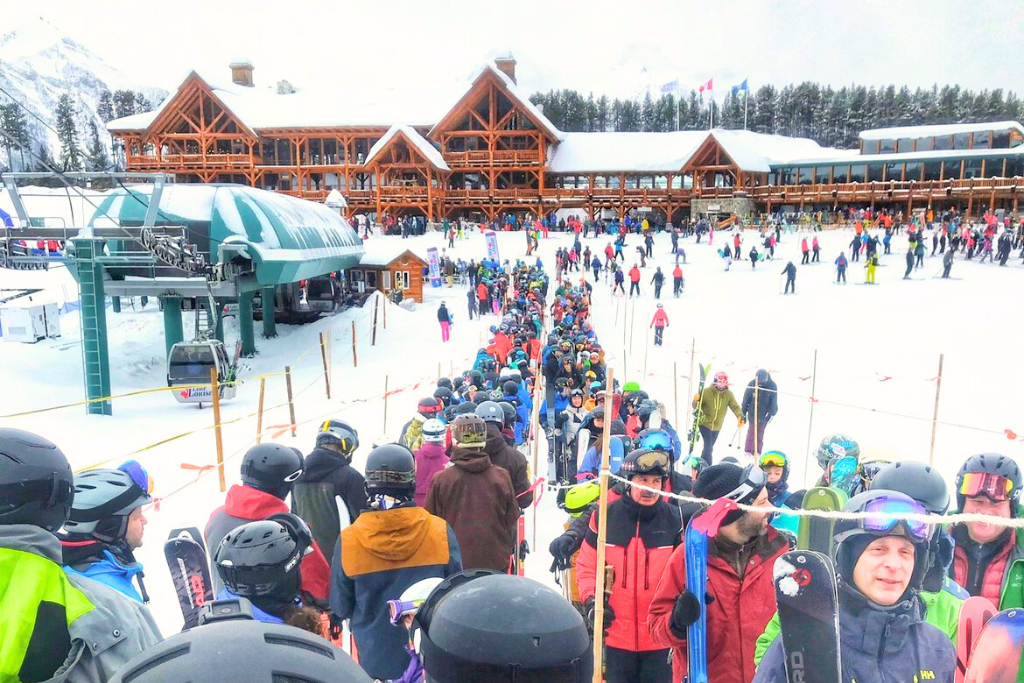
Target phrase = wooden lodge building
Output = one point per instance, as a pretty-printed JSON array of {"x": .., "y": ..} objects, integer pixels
[{"x": 491, "y": 151}]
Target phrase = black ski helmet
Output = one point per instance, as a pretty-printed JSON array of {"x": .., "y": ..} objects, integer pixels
[
  {"x": 341, "y": 434},
  {"x": 429, "y": 406},
  {"x": 490, "y": 411},
  {"x": 510, "y": 413},
  {"x": 645, "y": 409},
  {"x": 36, "y": 482},
  {"x": 465, "y": 408},
  {"x": 445, "y": 382},
  {"x": 646, "y": 461},
  {"x": 391, "y": 471},
  {"x": 272, "y": 468},
  {"x": 543, "y": 638},
  {"x": 443, "y": 394},
  {"x": 510, "y": 388},
  {"x": 991, "y": 463},
  {"x": 262, "y": 558},
  {"x": 242, "y": 651},
  {"x": 917, "y": 480}
]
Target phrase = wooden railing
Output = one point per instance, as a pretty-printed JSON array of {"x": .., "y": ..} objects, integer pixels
[
  {"x": 210, "y": 161},
  {"x": 501, "y": 157},
  {"x": 906, "y": 189},
  {"x": 411, "y": 193}
]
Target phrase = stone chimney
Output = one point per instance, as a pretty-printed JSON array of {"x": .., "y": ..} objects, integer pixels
[
  {"x": 507, "y": 65},
  {"x": 241, "y": 72}
]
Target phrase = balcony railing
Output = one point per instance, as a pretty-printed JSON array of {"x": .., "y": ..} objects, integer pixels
[
  {"x": 209, "y": 161},
  {"x": 502, "y": 157}
]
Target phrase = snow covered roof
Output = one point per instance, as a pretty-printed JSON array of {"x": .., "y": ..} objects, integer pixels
[
  {"x": 384, "y": 252},
  {"x": 632, "y": 152},
  {"x": 418, "y": 141},
  {"x": 758, "y": 151},
  {"x": 930, "y": 155},
  {"x": 932, "y": 131}
]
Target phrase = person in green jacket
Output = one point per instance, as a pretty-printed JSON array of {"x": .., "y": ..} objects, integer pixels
[
  {"x": 711, "y": 405},
  {"x": 942, "y": 597}
]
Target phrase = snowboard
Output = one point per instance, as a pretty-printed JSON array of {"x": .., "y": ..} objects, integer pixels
[
  {"x": 694, "y": 431},
  {"x": 808, "y": 602},
  {"x": 815, "y": 533},
  {"x": 844, "y": 474},
  {"x": 996, "y": 657},
  {"x": 974, "y": 614},
  {"x": 190, "y": 572},
  {"x": 700, "y": 528}
]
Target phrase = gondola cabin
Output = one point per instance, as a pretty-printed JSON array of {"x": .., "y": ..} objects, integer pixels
[{"x": 190, "y": 363}]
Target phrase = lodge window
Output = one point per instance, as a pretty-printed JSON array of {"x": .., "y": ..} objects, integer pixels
[
  {"x": 613, "y": 182},
  {"x": 1015, "y": 167},
  {"x": 944, "y": 142},
  {"x": 982, "y": 140},
  {"x": 924, "y": 144},
  {"x": 871, "y": 147},
  {"x": 894, "y": 172},
  {"x": 887, "y": 146},
  {"x": 904, "y": 145},
  {"x": 631, "y": 182},
  {"x": 806, "y": 175},
  {"x": 582, "y": 182},
  {"x": 688, "y": 180},
  {"x": 972, "y": 168},
  {"x": 599, "y": 182},
  {"x": 661, "y": 182},
  {"x": 858, "y": 173},
  {"x": 371, "y": 279},
  {"x": 821, "y": 174},
  {"x": 840, "y": 174},
  {"x": 951, "y": 169},
  {"x": 932, "y": 170},
  {"x": 402, "y": 279},
  {"x": 962, "y": 141},
  {"x": 358, "y": 276},
  {"x": 1000, "y": 139},
  {"x": 645, "y": 182},
  {"x": 912, "y": 171},
  {"x": 875, "y": 172}
]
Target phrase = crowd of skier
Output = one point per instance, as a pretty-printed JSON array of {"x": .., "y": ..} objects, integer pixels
[{"x": 307, "y": 547}]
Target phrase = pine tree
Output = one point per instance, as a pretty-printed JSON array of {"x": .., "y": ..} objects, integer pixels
[
  {"x": 647, "y": 123},
  {"x": 124, "y": 103},
  {"x": 603, "y": 113},
  {"x": 67, "y": 134},
  {"x": 96, "y": 156},
  {"x": 142, "y": 104},
  {"x": 105, "y": 107}
]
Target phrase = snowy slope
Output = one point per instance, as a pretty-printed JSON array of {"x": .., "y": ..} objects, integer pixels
[{"x": 39, "y": 63}]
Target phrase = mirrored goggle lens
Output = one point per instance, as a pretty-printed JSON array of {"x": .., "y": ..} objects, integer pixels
[
  {"x": 656, "y": 440},
  {"x": 652, "y": 459},
  {"x": 891, "y": 513},
  {"x": 138, "y": 474},
  {"x": 994, "y": 486},
  {"x": 772, "y": 460}
]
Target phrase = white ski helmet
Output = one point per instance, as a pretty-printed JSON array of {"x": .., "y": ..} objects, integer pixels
[{"x": 434, "y": 431}]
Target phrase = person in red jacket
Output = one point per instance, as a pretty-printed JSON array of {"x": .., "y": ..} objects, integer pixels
[
  {"x": 677, "y": 281},
  {"x": 634, "y": 280},
  {"x": 269, "y": 471},
  {"x": 806, "y": 250},
  {"x": 481, "y": 295},
  {"x": 659, "y": 323},
  {"x": 642, "y": 532},
  {"x": 741, "y": 595}
]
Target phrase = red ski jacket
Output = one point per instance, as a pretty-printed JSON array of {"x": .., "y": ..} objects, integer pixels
[
  {"x": 740, "y": 611},
  {"x": 634, "y": 274},
  {"x": 660, "y": 318},
  {"x": 640, "y": 541}
]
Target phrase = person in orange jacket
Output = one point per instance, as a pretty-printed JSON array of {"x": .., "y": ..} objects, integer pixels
[
  {"x": 634, "y": 280},
  {"x": 659, "y": 323},
  {"x": 677, "y": 281},
  {"x": 481, "y": 295}
]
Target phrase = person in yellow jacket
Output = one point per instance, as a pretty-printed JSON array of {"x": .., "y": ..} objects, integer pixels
[
  {"x": 711, "y": 405},
  {"x": 871, "y": 265}
]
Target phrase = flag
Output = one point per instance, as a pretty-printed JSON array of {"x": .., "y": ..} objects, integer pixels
[
  {"x": 708, "y": 85},
  {"x": 741, "y": 86},
  {"x": 671, "y": 86}
]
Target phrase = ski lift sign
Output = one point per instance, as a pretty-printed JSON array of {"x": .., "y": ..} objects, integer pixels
[
  {"x": 492, "y": 246},
  {"x": 434, "y": 264}
]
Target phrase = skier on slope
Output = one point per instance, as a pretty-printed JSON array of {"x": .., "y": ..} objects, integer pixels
[
  {"x": 841, "y": 264},
  {"x": 713, "y": 402},
  {"x": 476, "y": 498},
  {"x": 642, "y": 533},
  {"x": 880, "y": 565},
  {"x": 260, "y": 561},
  {"x": 677, "y": 281},
  {"x": 659, "y": 322},
  {"x": 269, "y": 471},
  {"x": 741, "y": 594},
  {"x": 634, "y": 280},
  {"x": 36, "y": 490},
  {"x": 658, "y": 281},
  {"x": 330, "y": 493},
  {"x": 106, "y": 527},
  {"x": 390, "y": 547},
  {"x": 790, "y": 272}
]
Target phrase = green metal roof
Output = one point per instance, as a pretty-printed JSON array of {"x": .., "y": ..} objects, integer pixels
[{"x": 288, "y": 239}]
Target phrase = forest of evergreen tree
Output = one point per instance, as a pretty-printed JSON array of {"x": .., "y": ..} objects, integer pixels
[{"x": 833, "y": 118}]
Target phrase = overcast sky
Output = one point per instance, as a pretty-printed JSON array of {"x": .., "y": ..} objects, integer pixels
[{"x": 618, "y": 47}]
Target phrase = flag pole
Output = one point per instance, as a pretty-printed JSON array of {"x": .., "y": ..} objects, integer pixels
[{"x": 746, "y": 93}]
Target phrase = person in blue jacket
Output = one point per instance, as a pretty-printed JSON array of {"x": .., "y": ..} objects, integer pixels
[
  {"x": 106, "y": 527},
  {"x": 261, "y": 562},
  {"x": 510, "y": 391}
]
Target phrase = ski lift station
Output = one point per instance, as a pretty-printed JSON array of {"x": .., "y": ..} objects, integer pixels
[{"x": 195, "y": 246}]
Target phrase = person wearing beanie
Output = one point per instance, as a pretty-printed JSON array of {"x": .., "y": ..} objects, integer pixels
[
  {"x": 713, "y": 402},
  {"x": 880, "y": 564},
  {"x": 740, "y": 592}
]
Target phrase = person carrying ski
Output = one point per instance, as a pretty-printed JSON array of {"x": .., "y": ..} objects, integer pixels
[
  {"x": 841, "y": 264},
  {"x": 476, "y": 498},
  {"x": 269, "y": 471},
  {"x": 987, "y": 484},
  {"x": 711, "y": 406},
  {"x": 740, "y": 590},
  {"x": 790, "y": 272},
  {"x": 106, "y": 527},
  {"x": 658, "y": 280},
  {"x": 760, "y": 403},
  {"x": 880, "y": 563},
  {"x": 677, "y": 281},
  {"x": 634, "y": 280},
  {"x": 659, "y": 322},
  {"x": 390, "y": 547},
  {"x": 330, "y": 493},
  {"x": 642, "y": 533},
  {"x": 871, "y": 262},
  {"x": 41, "y": 641}
]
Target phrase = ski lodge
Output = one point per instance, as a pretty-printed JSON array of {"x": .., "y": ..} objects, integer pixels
[{"x": 489, "y": 151}]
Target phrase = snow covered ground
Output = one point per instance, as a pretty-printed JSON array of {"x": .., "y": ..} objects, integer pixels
[{"x": 877, "y": 354}]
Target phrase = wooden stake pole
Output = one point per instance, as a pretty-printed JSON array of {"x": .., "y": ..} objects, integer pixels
[
  {"x": 935, "y": 415},
  {"x": 323, "y": 356},
  {"x": 757, "y": 391},
  {"x": 386, "y": 302},
  {"x": 602, "y": 533},
  {"x": 291, "y": 401},
  {"x": 439, "y": 369},
  {"x": 355, "y": 353},
  {"x": 689, "y": 381},
  {"x": 647, "y": 347},
  {"x": 259, "y": 411},
  {"x": 675, "y": 394},
  {"x": 215, "y": 391},
  {"x": 385, "y": 430},
  {"x": 538, "y": 396},
  {"x": 373, "y": 331},
  {"x": 810, "y": 420}
]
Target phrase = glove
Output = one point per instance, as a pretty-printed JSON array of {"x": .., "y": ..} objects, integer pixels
[
  {"x": 740, "y": 422},
  {"x": 686, "y": 611},
  {"x": 562, "y": 549},
  {"x": 336, "y": 626},
  {"x": 609, "y": 615},
  {"x": 696, "y": 398}
]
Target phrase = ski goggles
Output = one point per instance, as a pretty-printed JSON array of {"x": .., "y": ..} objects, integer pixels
[
  {"x": 646, "y": 461},
  {"x": 656, "y": 440},
  {"x": 138, "y": 474},
  {"x": 995, "y": 487},
  {"x": 772, "y": 459},
  {"x": 750, "y": 486},
  {"x": 398, "y": 609},
  {"x": 890, "y": 513}
]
